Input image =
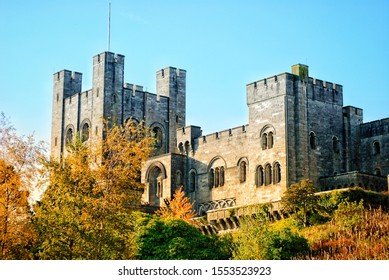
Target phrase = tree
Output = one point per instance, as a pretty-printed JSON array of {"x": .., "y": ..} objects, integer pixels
[
  {"x": 16, "y": 235},
  {"x": 300, "y": 199},
  {"x": 85, "y": 212},
  {"x": 179, "y": 207},
  {"x": 19, "y": 171}
]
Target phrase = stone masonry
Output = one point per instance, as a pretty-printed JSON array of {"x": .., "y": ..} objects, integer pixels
[{"x": 298, "y": 128}]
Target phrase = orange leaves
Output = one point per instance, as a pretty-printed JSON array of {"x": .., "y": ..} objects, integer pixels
[
  {"x": 179, "y": 207},
  {"x": 15, "y": 230},
  {"x": 86, "y": 209}
]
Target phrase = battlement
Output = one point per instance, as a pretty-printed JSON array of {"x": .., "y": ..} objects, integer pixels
[
  {"x": 375, "y": 128},
  {"x": 67, "y": 83},
  {"x": 170, "y": 72},
  {"x": 109, "y": 57},
  {"x": 224, "y": 134},
  {"x": 67, "y": 75},
  {"x": 133, "y": 87},
  {"x": 285, "y": 84}
]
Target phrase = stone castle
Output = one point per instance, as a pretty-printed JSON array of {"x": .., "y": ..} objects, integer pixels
[{"x": 298, "y": 128}]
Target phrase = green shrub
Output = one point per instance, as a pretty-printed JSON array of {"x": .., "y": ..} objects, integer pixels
[
  {"x": 173, "y": 239},
  {"x": 283, "y": 245}
]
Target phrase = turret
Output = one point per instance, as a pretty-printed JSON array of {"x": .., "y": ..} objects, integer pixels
[
  {"x": 65, "y": 84},
  {"x": 171, "y": 82}
]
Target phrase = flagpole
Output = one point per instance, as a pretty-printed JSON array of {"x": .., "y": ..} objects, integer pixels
[{"x": 109, "y": 26}]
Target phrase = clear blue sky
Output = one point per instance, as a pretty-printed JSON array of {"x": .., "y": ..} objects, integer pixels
[{"x": 222, "y": 44}]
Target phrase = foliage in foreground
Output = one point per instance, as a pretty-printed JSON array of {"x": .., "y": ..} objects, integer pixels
[
  {"x": 19, "y": 168},
  {"x": 300, "y": 199},
  {"x": 175, "y": 239},
  {"x": 259, "y": 239},
  {"x": 179, "y": 207},
  {"x": 354, "y": 233},
  {"x": 86, "y": 210}
]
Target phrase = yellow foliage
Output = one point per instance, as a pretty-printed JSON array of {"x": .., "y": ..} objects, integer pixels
[{"x": 179, "y": 207}]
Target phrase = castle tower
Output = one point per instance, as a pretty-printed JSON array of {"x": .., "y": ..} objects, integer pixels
[
  {"x": 66, "y": 84},
  {"x": 171, "y": 82},
  {"x": 108, "y": 80}
]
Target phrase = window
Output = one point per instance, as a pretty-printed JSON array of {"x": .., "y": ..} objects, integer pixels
[
  {"x": 192, "y": 181},
  {"x": 158, "y": 137},
  {"x": 312, "y": 140},
  {"x": 181, "y": 148},
  {"x": 178, "y": 179},
  {"x": 268, "y": 175},
  {"x": 277, "y": 173},
  {"x": 211, "y": 178},
  {"x": 259, "y": 176},
  {"x": 187, "y": 147},
  {"x": 376, "y": 148},
  {"x": 69, "y": 136},
  {"x": 222, "y": 176},
  {"x": 242, "y": 172},
  {"x": 114, "y": 99},
  {"x": 85, "y": 132},
  {"x": 217, "y": 176},
  {"x": 264, "y": 141},
  {"x": 335, "y": 144},
  {"x": 55, "y": 141},
  {"x": 377, "y": 172},
  {"x": 270, "y": 140}
]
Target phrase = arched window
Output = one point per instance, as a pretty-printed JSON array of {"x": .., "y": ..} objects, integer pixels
[
  {"x": 259, "y": 176},
  {"x": 270, "y": 139},
  {"x": 178, "y": 179},
  {"x": 217, "y": 174},
  {"x": 222, "y": 176},
  {"x": 242, "y": 171},
  {"x": 277, "y": 173},
  {"x": 268, "y": 175},
  {"x": 158, "y": 137},
  {"x": 312, "y": 140},
  {"x": 69, "y": 136},
  {"x": 187, "y": 147},
  {"x": 114, "y": 98},
  {"x": 181, "y": 148},
  {"x": 264, "y": 141},
  {"x": 377, "y": 172},
  {"x": 211, "y": 178},
  {"x": 85, "y": 132},
  {"x": 335, "y": 144},
  {"x": 376, "y": 148},
  {"x": 192, "y": 181}
]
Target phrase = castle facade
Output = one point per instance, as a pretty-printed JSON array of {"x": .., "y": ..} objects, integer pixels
[{"x": 298, "y": 128}]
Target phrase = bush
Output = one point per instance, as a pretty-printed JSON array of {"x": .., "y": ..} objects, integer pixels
[
  {"x": 349, "y": 215},
  {"x": 283, "y": 245},
  {"x": 173, "y": 239},
  {"x": 261, "y": 240}
]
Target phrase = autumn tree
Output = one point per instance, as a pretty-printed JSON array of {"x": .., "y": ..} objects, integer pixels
[
  {"x": 300, "y": 199},
  {"x": 19, "y": 173},
  {"x": 84, "y": 213},
  {"x": 179, "y": 207}
]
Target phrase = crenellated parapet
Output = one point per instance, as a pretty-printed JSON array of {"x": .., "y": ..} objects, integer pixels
[
  {"x": 375, "y": 128},
  {"x": 220, "y": 137},
  {"x": 288, "y": 84}
]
